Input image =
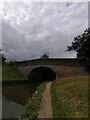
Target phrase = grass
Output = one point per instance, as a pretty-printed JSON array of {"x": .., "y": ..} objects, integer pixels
[
  {"x": 33, "y": 106},
  {"x": 9, "y": 72},
  {"x": 70, "y": 97},
  {"x": 0, "y": 72}
]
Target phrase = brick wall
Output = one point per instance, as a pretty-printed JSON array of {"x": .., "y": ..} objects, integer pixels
[{"x": 62, "y": 67}]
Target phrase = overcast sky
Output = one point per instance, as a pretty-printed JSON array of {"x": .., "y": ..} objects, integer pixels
[{"x": 30, "y": 29}]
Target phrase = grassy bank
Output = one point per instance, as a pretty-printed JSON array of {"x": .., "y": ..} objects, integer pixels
[
  {"x": 0, "y": 72},
  {"x": 32, "y": 107},
  {"x": 70, "y": 97},
  {"x": 9, "y": 72}
]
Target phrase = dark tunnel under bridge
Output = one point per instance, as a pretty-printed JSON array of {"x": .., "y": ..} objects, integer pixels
[{"x": 42, "y": 74}]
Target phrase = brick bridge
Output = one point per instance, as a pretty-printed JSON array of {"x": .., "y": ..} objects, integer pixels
[{"x": 51, "y": 68}]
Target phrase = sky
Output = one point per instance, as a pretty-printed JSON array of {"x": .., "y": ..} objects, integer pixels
[{"x": 29, "y": 29}]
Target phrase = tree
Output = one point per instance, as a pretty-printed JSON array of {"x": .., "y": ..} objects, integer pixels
[
  {"x": 2, "y": 57},
  {"x": 45, "y": 56},
  {"x": 81, "y": 45}
]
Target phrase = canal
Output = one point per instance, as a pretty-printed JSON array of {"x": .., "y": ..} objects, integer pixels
[
  {"x": 15, "y": 97},
  {"x": 17, "y": 93}
]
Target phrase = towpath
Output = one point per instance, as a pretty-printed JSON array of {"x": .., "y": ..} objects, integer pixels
[{"x": 46, "y": 108}]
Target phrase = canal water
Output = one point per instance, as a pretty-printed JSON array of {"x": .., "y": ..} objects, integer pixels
[{"x": 15, "y": 97}]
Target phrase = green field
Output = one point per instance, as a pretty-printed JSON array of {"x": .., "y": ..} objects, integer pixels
[
  {"x": 9, "y": 72},
  {"x": 70, "y": 97}
]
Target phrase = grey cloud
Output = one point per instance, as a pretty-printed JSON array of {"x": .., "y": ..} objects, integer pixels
[{"x": 29, "y": 30}]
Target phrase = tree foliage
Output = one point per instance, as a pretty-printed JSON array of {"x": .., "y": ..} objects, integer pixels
[
  {"x": 45, "y": 56},
  {"x": 2, "y": 57},
  {"x": 81, "y": 45}
]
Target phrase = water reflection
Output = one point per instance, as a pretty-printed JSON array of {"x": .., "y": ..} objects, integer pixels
[
  {"x": 11, "y": 109},
  {"x": 15, "y": 96}
]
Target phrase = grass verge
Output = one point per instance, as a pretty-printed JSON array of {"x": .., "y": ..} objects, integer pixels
[
  {"x": 33, "y": 106},
  {"x": 9, "y": 72},
  {"x": 70, "y": 97}
]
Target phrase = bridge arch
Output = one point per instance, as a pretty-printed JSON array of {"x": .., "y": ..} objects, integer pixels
[{"x": 42, "y": 74}]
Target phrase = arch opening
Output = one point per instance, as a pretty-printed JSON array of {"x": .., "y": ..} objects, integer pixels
[{"x": 42, "y": 74}]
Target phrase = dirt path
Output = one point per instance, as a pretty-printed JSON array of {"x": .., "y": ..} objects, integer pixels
[{"x": 46, "y": 109}]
